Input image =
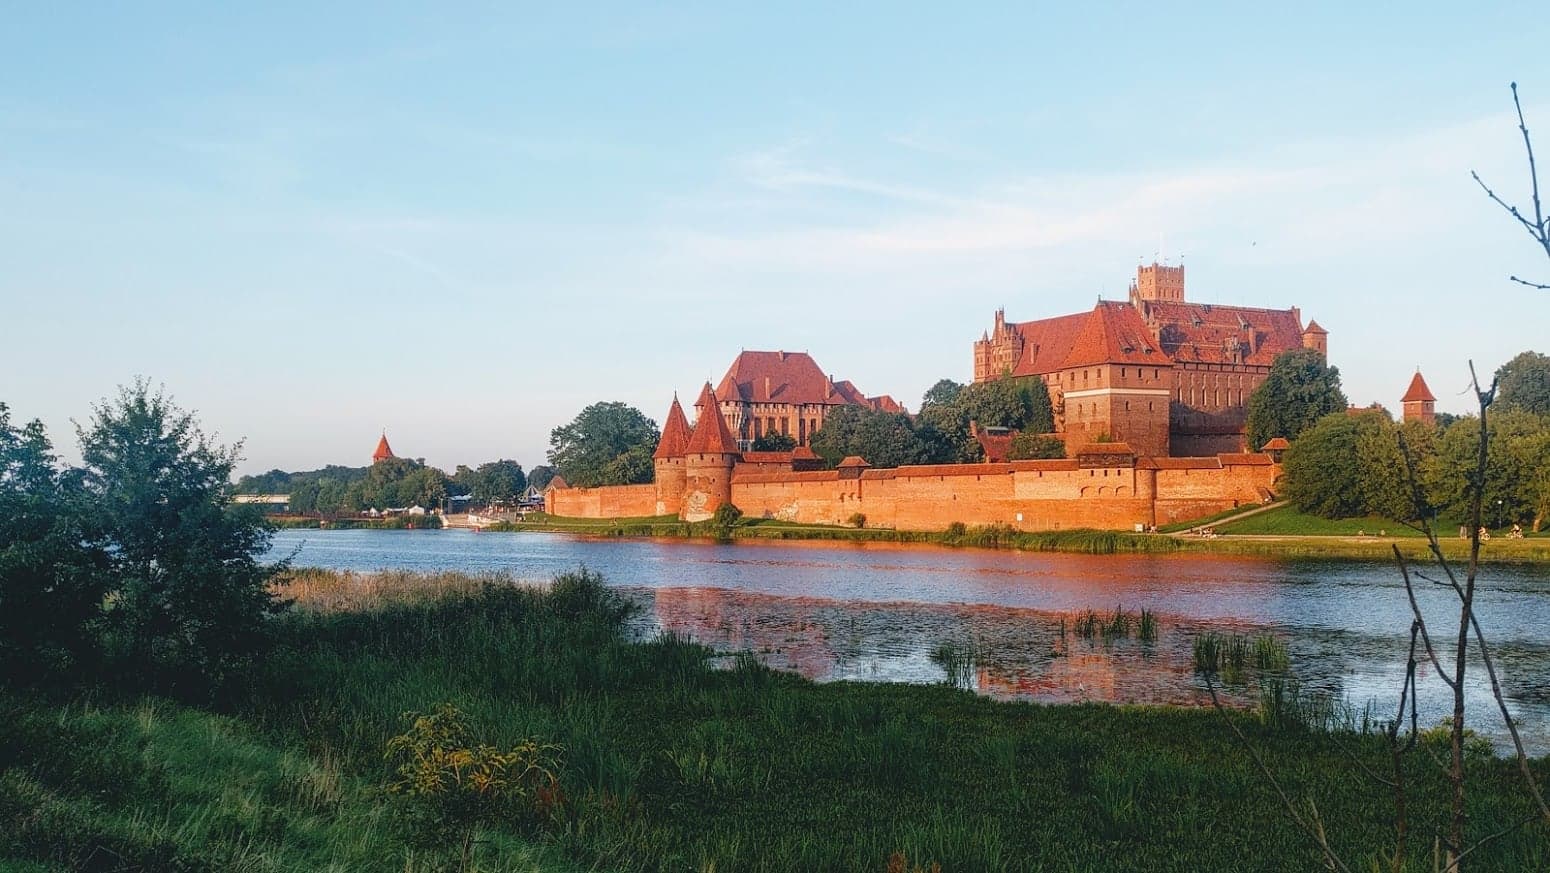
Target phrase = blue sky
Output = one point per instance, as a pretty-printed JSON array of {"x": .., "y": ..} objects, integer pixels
[{"x": 466, "y": 223}]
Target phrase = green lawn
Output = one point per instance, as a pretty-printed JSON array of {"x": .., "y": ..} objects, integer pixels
[
  {"x": 669, "y": 764},
  {"x": 1287, "y": 521}
]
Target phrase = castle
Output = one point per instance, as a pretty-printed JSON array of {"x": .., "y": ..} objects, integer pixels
[
  {"x": 1166, "y": 376},
  {"x": 700, "y": 468},
  {"x": 785, "y": 393}
]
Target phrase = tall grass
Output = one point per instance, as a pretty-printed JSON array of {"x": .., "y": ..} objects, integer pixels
[{"x": 669, "y": 763}]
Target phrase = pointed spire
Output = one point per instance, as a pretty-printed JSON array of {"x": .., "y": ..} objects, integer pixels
[
  {"x": 675, "y": 433},
  {"x": 1418, "y": 390},
  {"x": 384, "y": 451},
  {"x": 711, "y": 435}
]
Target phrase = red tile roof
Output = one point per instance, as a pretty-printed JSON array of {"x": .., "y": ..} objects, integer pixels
[
  {"x": 997, "y": 446},
  {"x": 711, "y": 435},
  {"x": 791, "y": 377},
  {"x": 557, "y": 482},
  {"x": 1278, "y": 444},
  {"x": 675, "y": 434},
  {"x": 1047, "y": 342},
  {"x": 1113, "y": 333},
  {"x": 1417, "y": 390},
  {"x": 1313, "y": 327},
  {"x": 1251, "y": 459},
  {"x": 852, "y": 461},
  {"x": 383, "y": 452},
  {"x": 1206, "y": 333},
  {"x": 767, "y": 457}
]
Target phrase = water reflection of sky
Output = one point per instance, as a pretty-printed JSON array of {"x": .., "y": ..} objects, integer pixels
[{"x": 876, "y": 612}]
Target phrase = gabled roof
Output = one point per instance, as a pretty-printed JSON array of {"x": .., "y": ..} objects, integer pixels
[
  {"x": 1113, "y": 334},
  {"x": 1313, "y": 327},
  {"x": 383, "y": 452},
  {"x": 777, "y": 377},
  {"x": 1046, "y": 343},
  {"x": 675, "y": 434},
  {"x": 1417, "y": 391},
  {"x": 1206, "y": 333},
  {"x": 711, "y": 436},
  {"x": 1278, "y": 444},
  {"x": 851, "y": 462},
  {"x": 557, "y": 482}
]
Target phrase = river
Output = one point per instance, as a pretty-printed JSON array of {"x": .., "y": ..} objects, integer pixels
[{"x": 877, "y": 611}]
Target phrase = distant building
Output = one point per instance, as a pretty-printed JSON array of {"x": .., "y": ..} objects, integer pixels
[
  {"x": 273, "y": 504},
  {"x": 384, "y": 451},
  {"x": 1166, "y": 376},
  {"x": 786, "y": 393},
  {"x": 1418, "y": 402}
]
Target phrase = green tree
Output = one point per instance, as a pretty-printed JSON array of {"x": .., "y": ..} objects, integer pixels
[
  {"x": 774, "y": 442},
  {"x": 884, "y": 439},
  {"x": 53, "y": 571},
  {"x": 190, "y": 595},
  {"x": 1515, "y": 478},
  {"x": 943, "y": 425},
  {"x": 1321, "y": 474},
  {"x": 540, "y": 476},
  {"x": 1032, "y": 446},
  {"x": 492, "y": 482},
  {"x": 1300, "y": 389},
  {"x": 606, "y": 444},
  {"x": 1017, "y": 403},
  {"x": 1524, "y": 383}
]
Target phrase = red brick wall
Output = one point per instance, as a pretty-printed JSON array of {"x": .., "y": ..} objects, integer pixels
[
  {"x": 614, "y": 501},
  {"x": 1030, "y": 495}
]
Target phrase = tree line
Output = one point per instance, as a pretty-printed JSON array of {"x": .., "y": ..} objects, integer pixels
[
  {"x": 394, "y": 483},
  {"x": 1343, "y": 465}
]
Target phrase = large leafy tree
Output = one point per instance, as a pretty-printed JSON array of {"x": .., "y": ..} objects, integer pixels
[
  {"x": 884, "y": 439},
  {"x": 1321, "y": 474},
  {"x": 606, "y": 444},
  {"x": 1020, "y": 404},
  {"x": 774, "y": 441},
  {"x": 943, "y": 425},
  {"x": 492, "y": 482},
  {"x": 1517, "y": 474},
  {"x": 1300, "y": 389},
  {"x": 1029, "y": 446},
  {"x": 190, "y": 595},
  {"x": 53, "y": 571},
  {"x": 1524, "y": 383}
]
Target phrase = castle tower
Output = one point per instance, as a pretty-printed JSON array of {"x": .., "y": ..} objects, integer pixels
[
  {"x": 669, "y": 462},
  {"x": 1418, "y": 401},
  {"x": 1158, "y": 282},
  {"x": 384, "y": 452},
  {"x": 1316, "y": 338},
  {"x": 708, "y": 460}
]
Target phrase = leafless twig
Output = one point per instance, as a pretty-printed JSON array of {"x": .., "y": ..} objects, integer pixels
[{"x": 1538, "y": 227}]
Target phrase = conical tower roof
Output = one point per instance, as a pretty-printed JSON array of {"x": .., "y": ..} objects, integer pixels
[
  {"x": 383, "y": 452},
  {"x": 1417, "y": 391},
  {"x": 675, "y": 434},
  {"x": 711, "y": 436}
]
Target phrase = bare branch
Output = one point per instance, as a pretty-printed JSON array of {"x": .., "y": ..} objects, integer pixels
[
  {"x": 1530, "y": 284},
  {"x": 1531, "y": 227},
  {"x": 1419, "y": 624},
  {"x": 1538, "y": 227},
  {"x": 1533, "y": 172}
]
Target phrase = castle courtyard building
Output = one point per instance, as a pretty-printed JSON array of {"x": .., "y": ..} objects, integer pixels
[
  {"x": 785, "y": 393},
  {"x": 1162, "y": 374}
]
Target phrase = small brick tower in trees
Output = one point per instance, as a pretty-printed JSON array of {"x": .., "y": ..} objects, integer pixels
[
  {"x": 1316, "y": 338},
  {"x": 708, "y": 460},
  {"x": 669, "y": 462},
  {"x": 1418, "y": 401}
]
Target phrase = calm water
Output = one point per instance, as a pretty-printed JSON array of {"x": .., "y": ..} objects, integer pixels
[{"x": 876, "y": 611}]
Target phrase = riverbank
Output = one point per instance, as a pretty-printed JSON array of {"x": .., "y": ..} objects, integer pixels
[
  {"x": 1365, "y": 546},
  {"x": 666, "y": 763}
]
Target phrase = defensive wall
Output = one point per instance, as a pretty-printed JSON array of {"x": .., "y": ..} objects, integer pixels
[{"x": 1104, "y": 492}]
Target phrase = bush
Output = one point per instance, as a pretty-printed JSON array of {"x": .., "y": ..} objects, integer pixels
[
  {"x": 455, "y": 785},
  {"x": 857, "y": 519},
  {"x": 726, "y": 516}
]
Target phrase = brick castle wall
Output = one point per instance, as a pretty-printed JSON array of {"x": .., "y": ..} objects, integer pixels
[{"x": 1029, "y": 495}]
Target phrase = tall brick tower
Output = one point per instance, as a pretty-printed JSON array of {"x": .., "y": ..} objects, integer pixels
[
  {"x": 671, "y": 473},
  {"x": 1418, "y": 401},
  {"x": 708, "y": 460},
  {"x": 1158, "y": 282}
]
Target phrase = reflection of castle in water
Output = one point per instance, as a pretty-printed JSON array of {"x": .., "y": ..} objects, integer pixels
[{"x": 1020, "y": 653}]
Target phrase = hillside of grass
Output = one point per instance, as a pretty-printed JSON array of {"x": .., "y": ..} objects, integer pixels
[{"x": 667, "y": 763}]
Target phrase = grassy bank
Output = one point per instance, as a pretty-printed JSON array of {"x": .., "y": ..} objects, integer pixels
[
  {"x": 668, "y": 764},
  {"x": 1277, "y": 533}
]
